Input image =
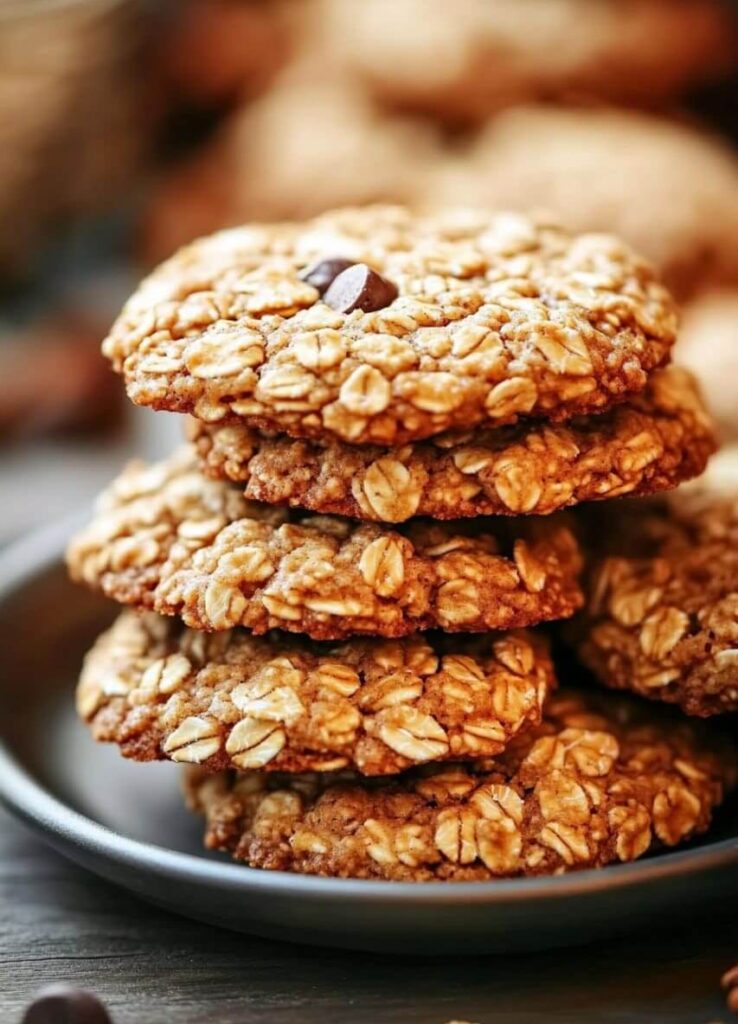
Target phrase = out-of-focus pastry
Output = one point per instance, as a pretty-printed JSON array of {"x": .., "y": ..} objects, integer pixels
[
  {"x": 220, "y": 51},
  {"x": 311, "y": 144},
  {"x": 708, "y": 343},
  {"x": 73, "y": 116},
  {"x": 721, "y": 477},
  {"x": 664, "y": 187},
  {"x": 463, "y": 60},
  {"x": 53, "y": 379}
]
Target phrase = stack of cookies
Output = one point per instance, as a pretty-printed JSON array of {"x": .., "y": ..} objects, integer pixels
[{"x": 331, "y": 588}]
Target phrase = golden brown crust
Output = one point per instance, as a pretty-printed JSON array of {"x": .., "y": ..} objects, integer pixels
[
  {"x": 229, "y": 700},
  {"x": 168, "y": 539},
  {"x": 652, "y": 443},
  {"x": 662, "y": 613},
  {"x": 497, "y": 317},
  {"x": 603, "y": 779}
]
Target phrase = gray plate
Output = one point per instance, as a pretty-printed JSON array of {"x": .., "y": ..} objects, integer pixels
[{"x": 126, "y": 821}]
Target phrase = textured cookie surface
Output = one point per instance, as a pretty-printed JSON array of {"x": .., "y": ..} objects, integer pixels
[
  {"x": 231, "y": 700},
  {"x": 652, "y": 443},
  {"x": 662, "y": 611},
  {"x": 168, "y": 539},
  {"x": 495, "y": 317},
  {"x": 603, "y": 779},
  {"x": 465, "y": 61}
]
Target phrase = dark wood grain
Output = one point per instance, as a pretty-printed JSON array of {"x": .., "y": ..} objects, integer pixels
[{"x": 57, "y": 923}]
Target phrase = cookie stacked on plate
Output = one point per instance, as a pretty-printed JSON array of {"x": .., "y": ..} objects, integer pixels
[
  {"x": 335, "y": 580},
  {"x": 661, "y": 616}
]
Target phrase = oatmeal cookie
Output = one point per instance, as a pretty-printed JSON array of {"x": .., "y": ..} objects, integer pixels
[
  {"x": 652, "y": 443},
  {"x": 662, "y": 612},
  {"x": 166, "y": 538},
  {"x": 462, "y": 61},
  {"x": 664, "y": 187},
  {"x": 231, "y": 700},
  {"x": 603, "y": 779},
  {"x": 377, "y": 326}
]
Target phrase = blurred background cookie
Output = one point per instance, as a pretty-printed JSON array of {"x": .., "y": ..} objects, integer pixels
[
  {"x": 666, "y": 187},
  {"x": 486, "y": 54},
  {"x": 74, "y": 115},
  {"x": 218, "y": 52},
  {"x": 708, "y": 343},
  {"x": 39, "y": 394},
  {"x": 314, "y": 142}
]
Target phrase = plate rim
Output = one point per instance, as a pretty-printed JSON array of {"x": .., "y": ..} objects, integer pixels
[{"x": 31, "y": 802}]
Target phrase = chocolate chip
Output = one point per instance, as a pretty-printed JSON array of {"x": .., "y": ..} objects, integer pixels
[
  {"x": 62, "y": 1004},
  {"x": 321, "y": 275},
  {"x": 360, "y": 287}
]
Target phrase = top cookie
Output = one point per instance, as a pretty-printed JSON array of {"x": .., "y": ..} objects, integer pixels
[
  {"x": 440, "y": 321},
  {"x": 707, "y": 344}
]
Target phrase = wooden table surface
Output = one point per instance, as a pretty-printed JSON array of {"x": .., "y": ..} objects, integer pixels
[{"x": 58, "y": 923}]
